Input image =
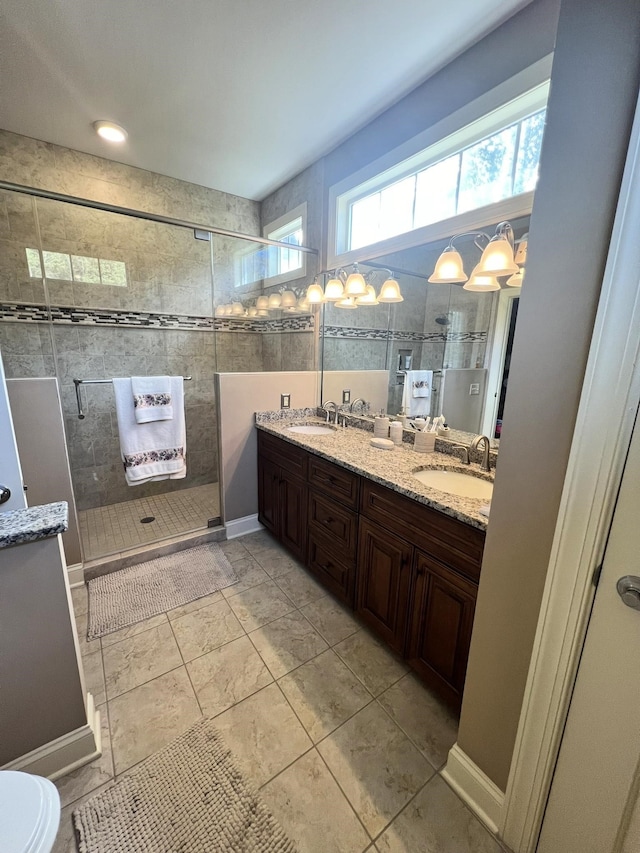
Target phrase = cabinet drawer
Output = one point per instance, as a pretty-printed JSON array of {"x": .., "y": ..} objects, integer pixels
[
  {"x": 334, "y": 521},
  {"x": 287, "y": 456},
  {"x": 453, "y": 542},
  {"x": 334, "y": 481},
  {"x": 334, "y": 572}
]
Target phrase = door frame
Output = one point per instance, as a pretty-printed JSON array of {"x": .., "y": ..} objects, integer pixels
[
  {"x": 497, "y": 358},
  {"x": 610, "y": 398}
]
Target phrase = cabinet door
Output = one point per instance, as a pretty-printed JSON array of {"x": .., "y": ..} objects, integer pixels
[
  {"x": 332, "y": 569},
  {"x": 384, "y": 566},
  {"x": 269, "y": 494},
  {"x": 293, "y": 515},
  {"x": 443, "y": 605}
]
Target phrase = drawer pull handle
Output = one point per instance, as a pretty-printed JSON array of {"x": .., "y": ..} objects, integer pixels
[
  {"x": 328, "y": 520},
  {"x": 325, "y": 566}
]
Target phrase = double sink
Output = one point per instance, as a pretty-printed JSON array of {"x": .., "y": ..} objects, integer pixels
[{"x": 457, "y": 482}]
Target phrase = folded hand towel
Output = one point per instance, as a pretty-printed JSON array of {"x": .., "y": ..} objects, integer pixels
[
  {"x": 152, "y": 398},
  {"x": 413, "y": 404},
  {"x": 155, "y": 450}
]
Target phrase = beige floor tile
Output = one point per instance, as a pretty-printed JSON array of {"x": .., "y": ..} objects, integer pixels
[
  {"x": 66, "y": 838},
  {"x": 227, "y": 675},
  {"x": 376, "y": 765},
  {"x": 260, "y": 541},
  {"x": 206, "y": 629},
  {"x": 86, "y": 779},
  {"x": 261, "y": 604},
  {"x": 287, "y": 642},
  {"x": 276, "y": 562},
  {"x": 86, "y": 646},
  {"x": 132, "y": 630},
  {"x": 312, "y": 810},
  {"x": 191, "y": 606},
  {"x": 80, "y": 599},
  {"x": 234, "y": 550},
  {"x": 371, "y": 661},
  {"x": 263, "y": 734},
  {"x": 436, "y": 821},
  {"x": 148, "y": 717},
  {"x": 249, "y": 574},
  {"x": 94, "y": 676},
  {"x": 428, "y": 722},
  {"x": 331, "y": 619},
  {"x": 324, "y": 693},
  {"x": 300, "y": 587},
  {"x": 139, "y": 659}
]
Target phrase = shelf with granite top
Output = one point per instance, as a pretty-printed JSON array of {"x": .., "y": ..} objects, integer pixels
[
  {"x": 19, "y": 526},
  {"x": 395, "y": 468}
]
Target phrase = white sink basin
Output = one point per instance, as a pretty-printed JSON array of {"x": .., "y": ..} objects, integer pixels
[
  {"x": 311, "y": 429},
  {"x": 456, "y": 483}
]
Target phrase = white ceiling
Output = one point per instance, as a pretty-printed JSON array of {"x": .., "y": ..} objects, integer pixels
[{"x": 239, "y": 95}]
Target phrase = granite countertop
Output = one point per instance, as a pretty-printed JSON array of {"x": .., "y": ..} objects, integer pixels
[
  {"x": 36, "y": 522},
  {"x": 351, "y": 449}
]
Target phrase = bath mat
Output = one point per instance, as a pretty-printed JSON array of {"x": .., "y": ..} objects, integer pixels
[
  {"x": 130, "y": 595},
  {"x": 187, "y": 798}
]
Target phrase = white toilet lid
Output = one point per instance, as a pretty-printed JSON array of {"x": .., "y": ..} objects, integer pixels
[{"x": 29, "y": 813}]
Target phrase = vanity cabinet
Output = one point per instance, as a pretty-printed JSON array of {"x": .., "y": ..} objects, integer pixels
[
  {"x": 410, "y": 572},
  {"x": 282, "y": 493}
]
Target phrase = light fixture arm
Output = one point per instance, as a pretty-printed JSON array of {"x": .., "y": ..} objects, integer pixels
[
  {"x": 476, "y": 236},
  {"x": 504, "y": 230}
]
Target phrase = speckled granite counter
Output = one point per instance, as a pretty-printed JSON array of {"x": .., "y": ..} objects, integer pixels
[
  {"x": 392, "y": 468},
  {"x": 36, "y": 522}
]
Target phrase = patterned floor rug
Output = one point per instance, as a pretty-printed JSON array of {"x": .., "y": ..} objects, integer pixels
[
  {"x": 130, "y": 595},
  {"x": 188, "y": 798}
]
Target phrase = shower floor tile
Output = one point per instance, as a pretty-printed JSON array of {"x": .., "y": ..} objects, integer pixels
[{"x": 117, "y": 527}]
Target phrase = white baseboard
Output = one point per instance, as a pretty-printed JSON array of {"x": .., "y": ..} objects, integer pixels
[
  {"x": 64, "y": 754},
  {"x": 483, "y": 796},
  {"x": 242, "y": 526},
  {"x": 75, "y": 573}
]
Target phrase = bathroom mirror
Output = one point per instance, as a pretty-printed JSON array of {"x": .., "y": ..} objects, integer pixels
[{"x": 462, "y": 337}]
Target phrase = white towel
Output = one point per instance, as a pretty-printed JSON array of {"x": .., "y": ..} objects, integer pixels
[
  {"x": 414, "y": 405},
  {"x": 155, "y": 450},
  {"x": 152, "y": 398}
]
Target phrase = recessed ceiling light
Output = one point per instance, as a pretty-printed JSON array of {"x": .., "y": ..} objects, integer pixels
[{"x": 110, "y": 131}]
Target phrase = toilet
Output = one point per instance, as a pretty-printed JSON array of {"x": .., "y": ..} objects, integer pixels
[{"x": 29, "y": 813}]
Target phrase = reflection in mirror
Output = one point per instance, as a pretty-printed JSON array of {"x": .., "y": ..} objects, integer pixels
[
  {"x": 442, "y": 350},
  {"x": 262, "y": 319}
]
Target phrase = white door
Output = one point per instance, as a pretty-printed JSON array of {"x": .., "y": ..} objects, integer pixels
[
  {"x": 594, "y": 804},
  {"x": 10, "y": 473}
]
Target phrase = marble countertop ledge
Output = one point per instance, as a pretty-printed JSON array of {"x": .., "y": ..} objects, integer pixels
[
  {"x": 351, "y": 449},
  {"x": 19, "y": 526}
]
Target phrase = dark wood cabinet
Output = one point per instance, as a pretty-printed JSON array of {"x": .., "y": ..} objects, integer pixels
[
  {"x": 410, "y": 572},
  {"x": 384, "y": 578},
  {"x": 440, "y": 624}
]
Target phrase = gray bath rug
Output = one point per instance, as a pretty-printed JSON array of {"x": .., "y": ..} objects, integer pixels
[
  {"x": 130, "y": 595},
  {"x": 188, "y": 798}
]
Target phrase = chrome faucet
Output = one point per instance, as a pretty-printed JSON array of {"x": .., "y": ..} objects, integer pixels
[
  {"x": 357, "y": 400},
  {"x": 485, "y": 456},
  {"x": 325, "y": 406}
]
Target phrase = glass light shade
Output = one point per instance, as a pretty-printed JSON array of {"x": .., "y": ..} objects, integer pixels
[
  {"x": 275, "y": 300},
  {"x": 221, "y": 310},
  {"x": 521, "y": 252},
  {"x": 355, "y": 284},
  {"x": 237, "y": 309},
  {"x": 303, "y": 304},
  {"x": 253, "y": 311},
  {"x": 315, "y": 294},
  {"x": 390, "y": 292},
  {"x": 516, "y": 279},
  {"x": 497, "y": 259},
  {"x": 480, "y": 282},
  {"x": 262, "y": 312},
  {"x": 289, "y": 299},
  {"x": 334, "y": 290},
  {"x": 449, "y": 268},
  {"x": 369, "y": 298},
  {"x": 347, "y": 302},
  {"x": 262, "y": 303}
]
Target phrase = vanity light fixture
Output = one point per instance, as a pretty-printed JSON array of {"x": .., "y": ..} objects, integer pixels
[
  {"x": 497, "y": 258},
  {"x": 315, "y": 294},
  {"x": 369, "y": 298},
  {"x": 355, "y": 284},
  {"x": 346, "y": 302},
  {"x": 289, "y": 299},
  {"x": 449, "y": 268},
  {"x": 390, "y": 291},
  {"x": 334, "y": 289},
  {"x": 516, "y": 279},
  {"x": 110, "y": 131},
  {"x": 275, "y": 301},
  {"x": 521, "y": 251},
  {"x": 262, "y": 303},
  {"x": 237, "y": 309},
  {"x": 252, "y": 311},
  {"x": 481, "y": 282}
]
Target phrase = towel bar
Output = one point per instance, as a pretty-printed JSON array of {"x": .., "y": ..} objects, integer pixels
[{"x": 79, "y": 382}]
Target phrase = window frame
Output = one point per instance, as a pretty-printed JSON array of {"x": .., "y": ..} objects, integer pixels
[
  {"x": 507, "y": 104},
  {"x": 290, "y": 217}
]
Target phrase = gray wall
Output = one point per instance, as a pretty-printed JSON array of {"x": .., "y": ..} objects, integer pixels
[{"x": 581, "y": 168}]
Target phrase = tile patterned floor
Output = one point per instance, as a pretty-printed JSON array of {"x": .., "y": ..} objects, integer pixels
[
  {"x": 343, "y": 742},
  {"x": 116, "y": 527}
]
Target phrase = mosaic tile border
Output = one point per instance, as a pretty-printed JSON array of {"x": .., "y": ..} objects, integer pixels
[
  {"x": 356, "y": 333},
  {"x": 63, "y": 315}
]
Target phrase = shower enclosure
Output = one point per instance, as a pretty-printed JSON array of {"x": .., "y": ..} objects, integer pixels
[{"x": 91, "y": 294}]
